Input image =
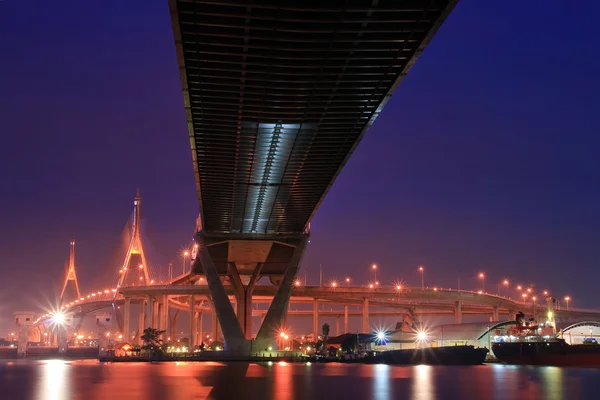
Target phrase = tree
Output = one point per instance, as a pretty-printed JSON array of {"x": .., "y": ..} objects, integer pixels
[
  {"x": 152, "y": 340},
  {"x": 325, "y": 329},
  {"x": 325, "y": 334}
]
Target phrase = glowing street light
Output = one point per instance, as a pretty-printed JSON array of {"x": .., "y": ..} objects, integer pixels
[
  {"x": 297, "y": 283},
  {"x": 334, "y": 284},
  {"x": 185, "y": 256},
  {"x": 482, "y": 277},
  {"x": 545, "y": 293},
  {"x": 374, "y": 268},
  {"x": 348, "y": 282},
  {"x": 422, "y": 271},
  {"x": 505, "y": 283},
  {"x": 567, "y": 298},
  {"x": 519, "y": 287}
]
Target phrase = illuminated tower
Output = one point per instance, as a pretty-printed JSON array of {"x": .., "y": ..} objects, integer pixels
[
  {"x": 71, "y": 277},
  {"x": 135, "y": 259}
]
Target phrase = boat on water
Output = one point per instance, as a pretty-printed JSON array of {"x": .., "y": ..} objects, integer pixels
[
  {"x": 445, "y": 355},
  {"x": 532, "y": 343}
]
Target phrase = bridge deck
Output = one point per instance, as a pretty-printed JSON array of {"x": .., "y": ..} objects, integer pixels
[{"x": 278, "y": 95}]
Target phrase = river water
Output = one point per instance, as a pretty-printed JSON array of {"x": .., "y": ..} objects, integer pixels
[{"x": 90, "y": 380}]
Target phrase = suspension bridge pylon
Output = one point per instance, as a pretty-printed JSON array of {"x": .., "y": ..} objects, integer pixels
[
  {"x": 135, "y": 258},
  {"x": 71, "y": 277}
]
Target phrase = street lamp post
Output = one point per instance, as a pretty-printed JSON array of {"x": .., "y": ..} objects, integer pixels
[
  {"x": 185, "y": 255},
  {"x": 422, "y": 271},
  {"x": 482, "y": 277},
  {"x": 567, "y": 300},
  {"x": 348, "y": 282},
  {"x": 374, "y": 268}
]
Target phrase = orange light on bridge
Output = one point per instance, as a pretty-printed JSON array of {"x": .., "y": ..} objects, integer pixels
[
  {"x": 505, "y": 283},
  {"x": 398, "y": 287},
  {"x": 528, "y": 290},
  {"x": 519, "y": 287},
  {"x": 524, "y": 295},
  {"x": 141, "y": 266},
  {"x": 106, "y": 290},
  {"x": 545, "y": 293},
  {"x": 334, "y": 284},
  {"x": 370, "y": 286},
  {"x": 297, "y": 283},
  {"x": 481, "y": 275}
]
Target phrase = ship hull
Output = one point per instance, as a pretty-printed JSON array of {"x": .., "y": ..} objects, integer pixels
[
  {"x": 548, "y": 353},
  {"x": 448, "y": 355}
]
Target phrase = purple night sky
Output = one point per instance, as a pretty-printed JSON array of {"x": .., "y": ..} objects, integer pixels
[{"x": 486, "y": 158}]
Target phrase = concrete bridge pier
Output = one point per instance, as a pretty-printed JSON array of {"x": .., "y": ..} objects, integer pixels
[
  {"x": 141, "y": 321},
  {"x": 365, "y": 315},
  {"x": 164, "y": 315},
  {"x": 458, "y": 312},
  {"x": 193, "y": 323},
  {"x": 346, "y": 318},
  {"x": 316, "y": 319},
  {"x": 495, "y": 314},
  {"x": 237, "y": 254},
  {"x": 243, "y": 296},
  {"x": 127, "y": 319},
  {"x": 199, "y": 332},
  {"x": 337, "y": 325}
]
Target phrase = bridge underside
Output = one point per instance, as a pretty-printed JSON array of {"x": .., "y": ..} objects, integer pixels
[{"x": 277, "y": 97}]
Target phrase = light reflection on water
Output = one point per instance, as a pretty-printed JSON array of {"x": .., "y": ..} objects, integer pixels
[{"x": 90, "y": 380}]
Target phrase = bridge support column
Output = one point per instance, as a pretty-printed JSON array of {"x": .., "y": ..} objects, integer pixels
[
  {"x": 365, "y": 316},
  {"x": 234, "y": 336},
  {"x": 458, "y": 312},
  {"x": 164, "y": 315},
  {"x": 346, "y": 319},
  {"x": 243, "y": 297},
  {"x": 127, "y": 320},
  {"x": 199, "y": 332},
  {"x": 337, "y": 325},
  {"x": 154, "y": 307},
  {"x": 495, "y": 314},
  {"x": 173, "y": 325},
  {"x": 192, "y": 337},
  {"x": 279, "y": 306},
  {"x": 214, "y": 326},
  {"x": 316, "y": 319},
  {"x": 141, "y": 321}
]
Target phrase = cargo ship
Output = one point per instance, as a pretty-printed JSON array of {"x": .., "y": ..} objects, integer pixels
[
  {"x": 530, "y": 343},
  {"x": 445, "y": 355}
]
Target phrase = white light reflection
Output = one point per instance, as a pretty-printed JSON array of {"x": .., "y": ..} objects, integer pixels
[
  {"x": 52, "y": 383},
  {"x": 422, "y": 388},
  {"x": 553, "y": 383},
  {"x": 382, "y": 387}
]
